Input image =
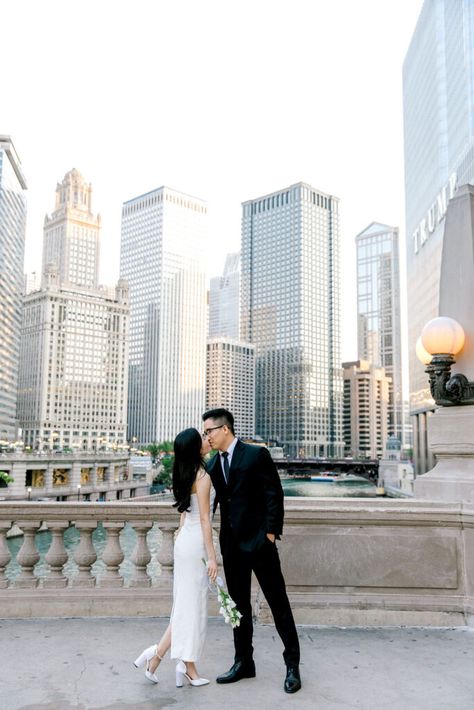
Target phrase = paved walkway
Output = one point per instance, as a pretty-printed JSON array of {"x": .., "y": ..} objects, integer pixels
[{"x": 86, "y": 664}]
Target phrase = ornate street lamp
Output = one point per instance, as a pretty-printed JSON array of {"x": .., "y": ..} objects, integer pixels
[{"x": 441, "y": 339}]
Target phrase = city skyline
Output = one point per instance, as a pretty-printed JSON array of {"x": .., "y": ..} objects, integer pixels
[{"x": 193, "y": 130}]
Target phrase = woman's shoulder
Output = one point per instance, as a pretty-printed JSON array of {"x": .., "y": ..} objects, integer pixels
[{"x": 202, "y": 475}]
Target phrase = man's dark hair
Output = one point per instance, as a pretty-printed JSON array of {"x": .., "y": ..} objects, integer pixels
[{"x": 224, "y": 415}]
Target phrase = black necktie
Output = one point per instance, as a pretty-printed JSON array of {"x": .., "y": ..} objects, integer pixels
[{"x": 225, "y": 458}]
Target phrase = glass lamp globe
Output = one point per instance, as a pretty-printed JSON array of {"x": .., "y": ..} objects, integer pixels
[
  {"x": 423, "y": 355},
  {"x": 442, "y": 335}
]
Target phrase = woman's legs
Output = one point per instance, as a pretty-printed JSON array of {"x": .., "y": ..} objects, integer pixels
[{"x": 162, "y": 647}]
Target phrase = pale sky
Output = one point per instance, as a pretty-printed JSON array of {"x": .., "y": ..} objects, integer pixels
[{"x": 223, "y": 100}]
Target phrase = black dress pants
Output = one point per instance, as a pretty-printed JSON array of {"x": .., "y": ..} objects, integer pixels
[{"x": 265, "y": 562}]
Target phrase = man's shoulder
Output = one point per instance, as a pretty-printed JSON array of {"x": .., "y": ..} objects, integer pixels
[{"x": 253, "y": 450}]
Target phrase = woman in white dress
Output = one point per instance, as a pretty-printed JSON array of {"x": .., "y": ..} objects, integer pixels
[{"x": 186, "y": 631}]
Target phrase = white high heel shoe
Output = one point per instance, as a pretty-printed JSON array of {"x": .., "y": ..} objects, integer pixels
[
  {"x": 146, "y": 656},
  {"x": 181, "y": 674}
]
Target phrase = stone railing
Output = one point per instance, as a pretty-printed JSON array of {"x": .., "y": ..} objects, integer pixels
[
  {"x": 355, "y": 561},
  {"x": 83, "y": 593}
]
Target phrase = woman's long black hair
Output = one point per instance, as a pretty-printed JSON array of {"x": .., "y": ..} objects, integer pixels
[{"x": 187, "y": 462}]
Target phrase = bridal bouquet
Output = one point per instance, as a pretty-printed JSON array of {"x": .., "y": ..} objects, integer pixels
[{"x": 228, "y": 607}]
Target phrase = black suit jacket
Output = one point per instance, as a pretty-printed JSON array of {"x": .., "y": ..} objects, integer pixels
[{"x": 251, "y": 505}]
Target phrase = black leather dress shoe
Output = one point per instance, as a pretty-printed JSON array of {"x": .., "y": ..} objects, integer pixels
[
  {"x": 292, "y": 681},
  {"x": 240, "y": 669}
]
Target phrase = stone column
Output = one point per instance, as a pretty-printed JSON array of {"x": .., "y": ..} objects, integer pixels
[
  {"x": 451, "y": 439},
  {"x": 85, "y": 555},
  {"x": 112, "y": 556},
  {"x": 165, "y": 553},
  {"x": 28, "y": 556},
  {"x": 56, "y": 556},
  {"x": 48, "y": 479},
  {"x": 5, "y": 555},
  {"x": 141, "y": 555}
]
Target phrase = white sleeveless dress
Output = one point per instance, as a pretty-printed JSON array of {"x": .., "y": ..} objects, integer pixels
[{"x": 190, "y": 585}]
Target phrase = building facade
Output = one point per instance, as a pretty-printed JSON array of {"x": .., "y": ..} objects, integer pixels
[
  {"x": 438, "y": 91},
  {"x": 73, "y": 378},
  {"x": 290, "y": 307},
  {"x": 230, "y": 382},
  {"x": 365, "y": 414},
  {"x": 378, "y": 312},
  {"x": 224, "y": 300},
  {"x": 12, "y": 246},
  {"x": 72, "y": 390},
  {"x": 162, "y": 257},
  {"x": 71, "y": 238}
]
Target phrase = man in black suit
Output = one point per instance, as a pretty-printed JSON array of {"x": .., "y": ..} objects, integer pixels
[{"x": 249, "y": 492}]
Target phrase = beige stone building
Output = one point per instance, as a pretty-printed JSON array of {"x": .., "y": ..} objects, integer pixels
[
  {"x": 230, "y": 381},
  {"x": 73, "y": 378},
  {"x": 366, "y": 396}
]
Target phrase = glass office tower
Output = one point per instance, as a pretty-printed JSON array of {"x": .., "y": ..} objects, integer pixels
[
  {"x": 378, "y": 312},
  {"x": 224, "y": 300},
  {"x": 290, "y": 312},
  {"x": 162, "y": 257},
  {"x": 438, "y": 92},
  {"x": 12, "y": 246}
]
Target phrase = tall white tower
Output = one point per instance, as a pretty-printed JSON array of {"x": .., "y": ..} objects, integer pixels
[
  {"x": 163, "y": 252},
  {"x": 71, "y": 233},
  {"x": 290, "y": 312}
]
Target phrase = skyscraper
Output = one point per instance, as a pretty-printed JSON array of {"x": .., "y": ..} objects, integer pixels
[
  {"x": 71, "y": 233},
  {"x": 230, "y": 381},
  {"x": 366, "y": 392},
  {"x": 290, "y": 312},
  {"x": 378, "y": 312},
  {"x": 162, "y": 257},
  {"x": 73, "y": 379},
  {"x": 438, "y": 92},
  {"x": 224, "y": 300},
  {"x": 12, "y": 245}
]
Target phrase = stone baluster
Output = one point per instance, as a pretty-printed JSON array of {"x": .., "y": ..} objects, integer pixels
[
  {"x": 165, "y": 553},
  {"x": 28, "y": 556},
  {"x": 112, "y": 556},
  {"x": 56, "y": 556},
  {"x": 85, "y": 555},
  {"x": 5, "y": 555},
  {"x": 141, "y": 555}
]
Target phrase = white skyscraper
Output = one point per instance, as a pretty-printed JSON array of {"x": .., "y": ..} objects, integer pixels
[
  {"x": 224, "y": 300},
  {"x": 12, "y": 246},
  {"x": 290, "y": 312},
  {"x": 73, "y": 381},
  {"x": 378, "y": 312},
  {"x": 163, "y": 248},
  {"x": 71, "y": 233}
]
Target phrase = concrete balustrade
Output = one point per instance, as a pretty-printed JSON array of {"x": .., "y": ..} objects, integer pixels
[{"x": 349, "y": 562}]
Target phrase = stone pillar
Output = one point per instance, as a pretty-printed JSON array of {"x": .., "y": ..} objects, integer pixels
[
  {"x": 18, "y": 473},
  {"x": 5, "y": 555},
  {"x": 28, "y": 556},
  {"x": 141, "y": 555},
  {"x": 451, "y": 439},
  {"x": 112, "y": 556},
  {"x": 56, "y": 556},
  {"x": 48, "y": 480},
  {"x": 85, "y": 555},
  {"x": 165, "y": 553}
]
